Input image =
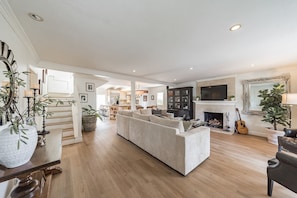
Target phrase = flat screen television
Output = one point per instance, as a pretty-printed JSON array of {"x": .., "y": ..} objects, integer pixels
[{"x": 218, "y": 92}]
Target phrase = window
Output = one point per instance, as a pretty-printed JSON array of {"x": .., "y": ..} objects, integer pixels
[{"x": 160, "y": 98}]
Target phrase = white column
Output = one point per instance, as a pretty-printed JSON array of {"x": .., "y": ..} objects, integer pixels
[{"x": 133, "y": 99}]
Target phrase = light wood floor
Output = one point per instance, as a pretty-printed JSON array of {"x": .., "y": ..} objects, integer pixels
[{"x": 106, "y": 165}]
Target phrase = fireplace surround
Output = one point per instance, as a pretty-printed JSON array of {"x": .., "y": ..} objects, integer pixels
[{"x": 225, "y": 110}]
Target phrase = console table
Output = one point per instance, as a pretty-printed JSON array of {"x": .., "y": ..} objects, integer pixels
[{"x": 32, "y": 175}]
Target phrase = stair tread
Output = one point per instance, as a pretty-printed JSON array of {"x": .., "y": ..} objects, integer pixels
[
  {"x": 67, "y": 129},
  {"x": 68, "y": 137},
  {"x": 55, "y": 117},
  {"x": 59, "y": 123},
  {"x": 55, "y": 110}
]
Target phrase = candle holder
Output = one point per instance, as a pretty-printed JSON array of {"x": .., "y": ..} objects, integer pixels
[
  {"x": 34, "y": 101},
  {"x": 28, "y": 103},
  {"x": 43, "y": 132}
]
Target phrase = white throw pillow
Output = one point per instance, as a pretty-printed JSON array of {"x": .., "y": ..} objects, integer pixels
[
  {"x": 178, "y": 124},
  {"x": 126, "y": 113},
  {"x": 146, "y": 111},
  {"x": 141, "y": 116}
]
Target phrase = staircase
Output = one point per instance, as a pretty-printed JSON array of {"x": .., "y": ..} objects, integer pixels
[{"x": 62, "y": 118}]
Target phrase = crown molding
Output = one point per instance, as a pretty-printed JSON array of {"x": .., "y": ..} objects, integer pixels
[{"x": 11, "y": 19}]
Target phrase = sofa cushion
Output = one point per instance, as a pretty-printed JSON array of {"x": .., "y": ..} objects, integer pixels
[
  {"x": 146, "y": 111},
  {"x": 168, "y": 122},
  {"x": 141, "y": 116},
  {"x": 125, "y": 113}
]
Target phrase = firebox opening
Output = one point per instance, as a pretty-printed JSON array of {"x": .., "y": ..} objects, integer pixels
[{"x": 214, "y": 119}]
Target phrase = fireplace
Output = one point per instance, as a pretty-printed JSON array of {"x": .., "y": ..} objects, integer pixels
[
  {"x": 225, "y": 108},
  {"x": 215, "y": 120}
]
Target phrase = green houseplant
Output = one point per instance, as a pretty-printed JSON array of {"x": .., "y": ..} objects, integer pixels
[
  {"x": 274, "y": 112},
  {"x": 89, "y": 118}
]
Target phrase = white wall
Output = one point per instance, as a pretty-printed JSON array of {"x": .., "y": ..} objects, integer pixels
[
  {"x": 153, "y": 91},
  {"x": 80, "y": 84}
]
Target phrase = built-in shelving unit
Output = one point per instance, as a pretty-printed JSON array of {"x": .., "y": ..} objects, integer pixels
[{"x": 179, "y": 101}]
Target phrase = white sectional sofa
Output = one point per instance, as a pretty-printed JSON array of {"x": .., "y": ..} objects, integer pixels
[{"x": 166, "y": 139}]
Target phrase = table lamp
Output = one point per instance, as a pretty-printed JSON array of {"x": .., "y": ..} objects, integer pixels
[{"x": 289, "y": 99}]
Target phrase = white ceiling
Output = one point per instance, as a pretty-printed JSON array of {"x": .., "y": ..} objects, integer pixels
[{"x": 162, "y": 39}]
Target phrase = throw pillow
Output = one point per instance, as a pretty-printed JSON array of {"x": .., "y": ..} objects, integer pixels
[
  {"x": 187, "y": 125},
  {"x": 170, "y": 123},
  {"x": 141, "y": 116},
  {"x": 146, "y": 111},
  {"x": 126, "y": 113}
]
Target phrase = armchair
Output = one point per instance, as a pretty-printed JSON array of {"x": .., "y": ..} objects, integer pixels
[{"x": 283, "y": 169}]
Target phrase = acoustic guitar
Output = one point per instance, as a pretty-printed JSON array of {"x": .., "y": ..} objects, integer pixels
[{"x": 240, "y": 125}]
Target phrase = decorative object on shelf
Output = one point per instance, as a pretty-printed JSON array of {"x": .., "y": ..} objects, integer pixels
[
  {"x": 11, "y": 155},
  {"x": 43, "y": 132},
  {"x": 34, "y": 87},
  {"x": 89, "y": 118},
  {"x": 28, "y": 94},
  {"x": 17, "y": 140},
  {"x": 83, "y": 97},
  {"x": 145, "y": 98},
  {"x": 231, "y": 98},
  {"x": 274, "y": 112},
  {"x": 90, "y": 87}
]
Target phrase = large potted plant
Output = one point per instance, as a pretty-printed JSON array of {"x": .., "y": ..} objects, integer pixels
[
  {"x": 89, "y": 118},
  {"x": 274, "y": 112}
]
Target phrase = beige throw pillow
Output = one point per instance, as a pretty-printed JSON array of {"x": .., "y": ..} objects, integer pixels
[
  {"x": 146, "y": 111},
  {"x": 170, "y": 123},
  {"x": 141, "y": 116},
  {"x": 126, "y": 113}
]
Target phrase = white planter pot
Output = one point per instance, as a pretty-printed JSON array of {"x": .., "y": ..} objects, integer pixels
[
  {"x": 273, "y": 134},
  {"x": 10, "y": 155}
]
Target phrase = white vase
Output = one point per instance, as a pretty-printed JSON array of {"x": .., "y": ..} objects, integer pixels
[
  {"x": 273, "y": 134},
  {"x": 10, "y": 155}
]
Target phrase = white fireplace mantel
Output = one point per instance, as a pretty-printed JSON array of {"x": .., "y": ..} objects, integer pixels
[{"x": 211, "y": 102}]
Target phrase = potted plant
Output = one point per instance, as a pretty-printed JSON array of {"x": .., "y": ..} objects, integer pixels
[
  {"x": 232, "y": 98},
  {"x": 274, "y": 112},
  {"x": 89, "y": 118}
]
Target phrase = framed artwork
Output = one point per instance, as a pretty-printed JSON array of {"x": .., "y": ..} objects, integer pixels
[
  {"x": 90, "y": 87},
  {"x": 152, "y": 97},
  {"x": 83, "y": 97},
  {"x": 144, "y": 98}
]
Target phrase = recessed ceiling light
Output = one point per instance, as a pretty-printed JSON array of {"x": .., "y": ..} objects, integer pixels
[
  {"x": 252, "y": 65},
  {"x": 235, "y": 27},
  {"x": 191, "y": 68},
  {"x": 174, "y": 79},
  {"x": 35, "y": 17},
  {"x": 134, "y": 70}
]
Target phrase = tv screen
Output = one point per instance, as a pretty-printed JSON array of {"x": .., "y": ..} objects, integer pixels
[{"x": 218, "y": 92}]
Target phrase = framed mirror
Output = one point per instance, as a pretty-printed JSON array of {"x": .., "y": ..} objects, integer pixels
[
  {"x": 7, "y": 77},
  {"x": 251, "y": 89}
]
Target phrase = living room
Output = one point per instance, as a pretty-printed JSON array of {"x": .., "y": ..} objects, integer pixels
[{"x": 33, "y": 45}]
